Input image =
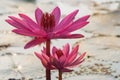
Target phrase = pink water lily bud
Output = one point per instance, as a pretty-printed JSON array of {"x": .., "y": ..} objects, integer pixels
[
  {"x": 61, "y": 59},
  {"x": 47, "y": 26}
]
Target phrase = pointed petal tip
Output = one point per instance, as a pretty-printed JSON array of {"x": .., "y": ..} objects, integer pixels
[
  {"x": 36, "y": 53},
  {"x": 85, "y": 18},
  {"x": 20, "y": 14},
  {"x": 57, "y": 7},
  {"x": 7, "y": 20},
  {"x": 24, "y": 16},
  {"x": 38, "y": 9},
  {"x": 85, "y": 23},
  {"x": 84, "y": 53},
  {"x": 13, "y": 30},
  {"x": 38, "y": 15},
  {"x": 27, "y": 46},
  {"x": 67, "y": 44},
  {"x": 66, "y": 70},
  {"x": 88, "y": 15},
  {"x": 77, "y": 46},
  {"x": 76, "y": 11},
  {"x": 11, "y": 16},
  {"x": 82, "y": 36}
]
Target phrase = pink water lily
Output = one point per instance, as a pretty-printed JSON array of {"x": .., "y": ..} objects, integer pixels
[
  {"x": 62, "y": 60},
  {"x": 47, "y": 26}
]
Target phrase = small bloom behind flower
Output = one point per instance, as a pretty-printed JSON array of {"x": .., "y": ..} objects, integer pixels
[{"x": 62, "y": 60}]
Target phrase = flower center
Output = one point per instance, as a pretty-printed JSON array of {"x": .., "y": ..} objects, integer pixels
[
  {"x": 59, "y": 53},
  {"x": 48, "y": 22}
]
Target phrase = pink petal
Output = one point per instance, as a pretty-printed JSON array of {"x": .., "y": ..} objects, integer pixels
[
  {"x": 13, "y": 23},
  {"x": 56, "y": 12},
  {"x": 24, "y": 32},
  {"x": 44, "y": 50},
  {"x": 76, "y": 64},
  {"x": 81, "y": 22},
  {"x": 34, "y": 42},
  {"x": 69, "y": 36},
  {"x": 62, "y": 59},
  {"x": 46, "y": 57},
  {"x": 72, "y": 27},
  {"x": 78, "y": 60},
  {"x": 54, "y": 49},
  {"x": 66, "y": 70},
  {"x": 34, "y": 27},
  {"x": 38, "y": 15},
  {"x": 28, "y": 20},
  {"x": 55, "y": 56},
  {"x": 73, "y": 54},
  {"x": 43, "y": 60},
  {"x": 38, "y": 55},
  {"x": 66, "y": 49},
  {"x": 76, "y": 26},
  {"x": 66, "y": 21},
  {"x": 82, "y": 19},
  {"x": 20, "y": 22}
]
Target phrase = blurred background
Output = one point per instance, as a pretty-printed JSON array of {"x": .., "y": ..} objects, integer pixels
[{"x": 101, "y": 42}]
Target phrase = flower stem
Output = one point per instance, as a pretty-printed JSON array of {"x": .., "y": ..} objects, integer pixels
[
  {"x": 60, "y": 75},
  {"x": 48, "y": 73}
]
